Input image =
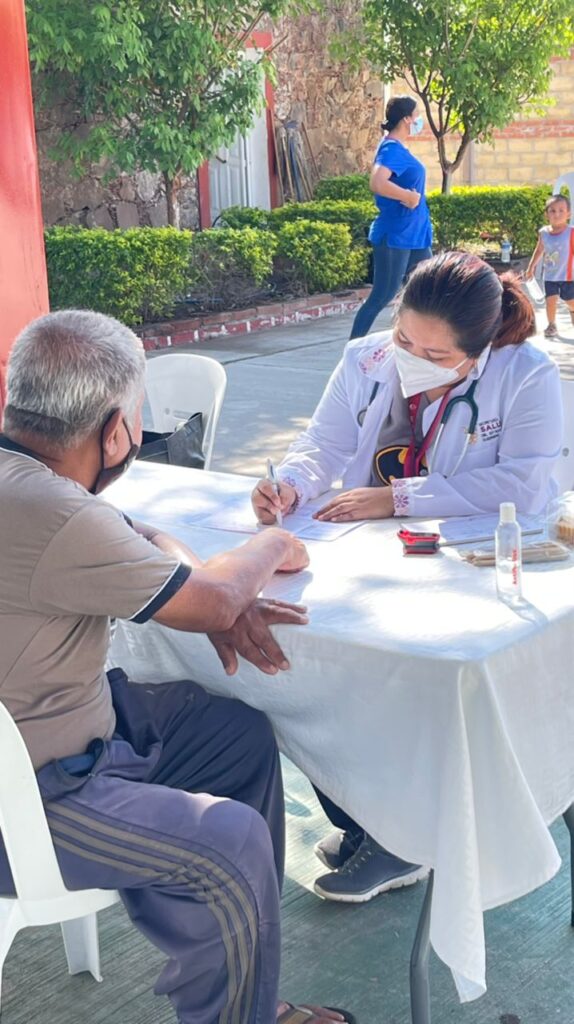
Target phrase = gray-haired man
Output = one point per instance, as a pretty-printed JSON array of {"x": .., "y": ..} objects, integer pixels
[{"x": 170, "y": 795}]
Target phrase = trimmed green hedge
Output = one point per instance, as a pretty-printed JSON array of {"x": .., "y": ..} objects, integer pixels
[
  {"x": 134, "y": 275},
  {"x": 344, "y": 186},
  {"x": 142, "y": 273},
  {"x": 468, "y": 214},
  {"x": 245, "y": 217},
  {"x": 227, "y": 267},
  {"x": 145, "y": 273},
  {"x": 322, "y": 255},
  {"x": 357, "y": 215}
]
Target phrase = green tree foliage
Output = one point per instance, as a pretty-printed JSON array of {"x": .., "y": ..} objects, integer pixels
[
  {"x": 157, "y": 85},
  {"x": 474, "y": 64}
]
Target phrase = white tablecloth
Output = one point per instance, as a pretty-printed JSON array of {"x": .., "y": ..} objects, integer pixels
[{"x": 441, "y": 719}]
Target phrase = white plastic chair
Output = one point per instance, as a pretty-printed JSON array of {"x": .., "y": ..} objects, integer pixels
[
  {"x": 564, "y": 472},
  {"x": 42, "y": 897},
  {"x": 566, "y": 180},
  {"x": 178, "y": 384}
]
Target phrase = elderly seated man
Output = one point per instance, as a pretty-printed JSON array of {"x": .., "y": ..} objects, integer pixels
[{"x": 166, "y": 793}]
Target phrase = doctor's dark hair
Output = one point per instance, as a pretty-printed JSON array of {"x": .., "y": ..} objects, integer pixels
[
  {"x": 480, "y": 307},
  {"x": 397, "y": 108}
]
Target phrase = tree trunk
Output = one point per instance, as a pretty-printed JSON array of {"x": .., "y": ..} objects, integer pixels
[
  {"x": 448, "y": 167},
  {"x": 172, "y": 190}
]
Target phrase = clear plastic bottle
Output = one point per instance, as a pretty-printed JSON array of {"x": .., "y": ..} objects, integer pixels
[
  {"x": 508, "y": 553},
  {"x": 505, "y": 251}
]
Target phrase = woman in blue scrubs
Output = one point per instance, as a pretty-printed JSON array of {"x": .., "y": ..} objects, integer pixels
[{"x": 401, "y": 234}]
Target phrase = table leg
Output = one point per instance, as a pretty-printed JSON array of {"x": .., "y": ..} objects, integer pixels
[
  {"x": 569, "y": 819},
  {"x": 420, "y": 987}
]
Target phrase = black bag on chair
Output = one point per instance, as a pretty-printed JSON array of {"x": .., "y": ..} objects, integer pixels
[{"x": 183, "y": 447}]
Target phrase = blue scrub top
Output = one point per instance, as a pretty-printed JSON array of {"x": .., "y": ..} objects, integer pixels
[{"x": 396, "y": 225}]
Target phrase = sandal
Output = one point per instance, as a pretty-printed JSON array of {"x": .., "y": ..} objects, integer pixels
[{"x": 301, "y": 1015}]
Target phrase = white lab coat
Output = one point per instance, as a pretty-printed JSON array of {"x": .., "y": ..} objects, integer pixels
[{"x": 517, "y": 443}]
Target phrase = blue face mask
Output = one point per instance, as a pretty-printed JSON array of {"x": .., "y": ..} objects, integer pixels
[{"x": 416, "y": 126}]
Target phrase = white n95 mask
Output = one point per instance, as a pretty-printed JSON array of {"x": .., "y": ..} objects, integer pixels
[{"x": 417, "y": 374}]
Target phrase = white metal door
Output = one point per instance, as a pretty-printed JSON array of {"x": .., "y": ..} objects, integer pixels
[{"x": 239, "y": 174}]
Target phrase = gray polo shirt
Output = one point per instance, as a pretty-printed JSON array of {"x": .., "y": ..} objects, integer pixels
[{"x": 69, "y": 563}]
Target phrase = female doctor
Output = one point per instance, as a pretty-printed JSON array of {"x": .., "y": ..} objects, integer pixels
[{"x": 448, "y": 414}]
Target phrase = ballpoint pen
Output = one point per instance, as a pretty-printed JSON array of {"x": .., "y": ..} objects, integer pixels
[
  {"x": 489, "y": 536},
  {"x": 272, "y": 477}
]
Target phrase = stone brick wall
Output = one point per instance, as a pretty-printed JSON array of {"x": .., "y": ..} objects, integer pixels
[
  {"x": 341, "y": 111},
  {"x": 128, "y": 201}
]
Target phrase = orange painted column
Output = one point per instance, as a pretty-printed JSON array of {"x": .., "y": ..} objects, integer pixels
[{"x": 23, "y": 282}]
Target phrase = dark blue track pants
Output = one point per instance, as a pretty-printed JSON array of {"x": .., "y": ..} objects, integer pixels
[{"x": 182, "y": 811}]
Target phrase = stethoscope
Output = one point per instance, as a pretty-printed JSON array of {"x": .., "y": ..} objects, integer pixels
[
  {"x": 470, "y": 432},
  {"x": 466, "y": 399}
]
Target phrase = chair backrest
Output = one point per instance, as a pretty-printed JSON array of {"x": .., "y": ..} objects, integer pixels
[
  {"x": 179, "y": 384},
  {"x": 23, "y": 822},
  {"x": 568, "y": 181},
  {"x": 564, "y": 472}
]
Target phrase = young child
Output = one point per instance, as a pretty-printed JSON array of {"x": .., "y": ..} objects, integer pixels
[{"x": 556, "y": 249}]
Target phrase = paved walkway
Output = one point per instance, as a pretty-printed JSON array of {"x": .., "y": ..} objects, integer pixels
[{"x": 275, "y": 379}]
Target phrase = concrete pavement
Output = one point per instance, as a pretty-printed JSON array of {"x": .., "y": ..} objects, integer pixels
[{"x": 274, "y": 384}]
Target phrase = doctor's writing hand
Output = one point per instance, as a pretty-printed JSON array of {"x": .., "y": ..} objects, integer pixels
[
  {"x": 267, "y": 503},
  {"x": 360, "y": 503},
  {"x": 251, "y": 637},
  {"x": 411, "y": 198}
]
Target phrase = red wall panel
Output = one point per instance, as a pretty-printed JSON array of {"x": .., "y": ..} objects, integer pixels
[{"x": 23, "y": 284}]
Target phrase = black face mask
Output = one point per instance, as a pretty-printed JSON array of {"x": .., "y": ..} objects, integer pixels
[{"x": 108, "y": 474}]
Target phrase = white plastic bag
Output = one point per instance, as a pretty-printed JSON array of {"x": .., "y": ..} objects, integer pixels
[{"x": 534, "y": 290}]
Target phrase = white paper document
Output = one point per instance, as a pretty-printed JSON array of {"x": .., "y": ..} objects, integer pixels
[
  {"x": 476, "y": 529},
  {"x": 237, "y": 516}
]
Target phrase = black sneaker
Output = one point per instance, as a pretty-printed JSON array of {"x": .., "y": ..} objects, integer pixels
[
  {"x": 335, "y": 849},
  {"x": 370, "y": 871}
]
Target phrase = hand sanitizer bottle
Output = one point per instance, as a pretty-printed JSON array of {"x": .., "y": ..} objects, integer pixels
[{"x": 508, "y": 554}]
